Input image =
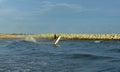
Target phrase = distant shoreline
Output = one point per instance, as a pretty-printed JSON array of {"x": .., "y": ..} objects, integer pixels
[{"x": 67, "y": 36}]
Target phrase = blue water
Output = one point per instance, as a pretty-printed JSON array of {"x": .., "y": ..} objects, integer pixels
[{"x": 70, "y": 56}]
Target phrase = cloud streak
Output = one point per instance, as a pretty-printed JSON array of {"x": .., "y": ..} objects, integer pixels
[
  {"x": 42, "y": 8},
  {"x": 51, "y": 5}
]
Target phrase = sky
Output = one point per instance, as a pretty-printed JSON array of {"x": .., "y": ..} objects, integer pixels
[{"x": 59, "y": 16}]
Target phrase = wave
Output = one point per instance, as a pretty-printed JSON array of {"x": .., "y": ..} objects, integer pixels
[
  {"x": 115, "y": 50},
  {"x": 115, "y": 60},
  {"x": 88, "y": 56},
  {"x": 108, "y": 70},
  {"x": 20, "y": 46}
]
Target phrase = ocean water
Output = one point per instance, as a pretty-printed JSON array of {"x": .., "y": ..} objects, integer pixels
[{"x": 69, "y": 56}]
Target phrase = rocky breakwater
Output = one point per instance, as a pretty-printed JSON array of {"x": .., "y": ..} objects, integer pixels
[{"x": 91, "y": 36}]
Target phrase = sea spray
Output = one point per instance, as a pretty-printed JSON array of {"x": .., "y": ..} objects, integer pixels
[
  {"x": 97, "y": 41},
  {"x": 30, "y": 39}
]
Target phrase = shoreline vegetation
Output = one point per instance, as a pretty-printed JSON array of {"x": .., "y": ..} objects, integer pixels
[{"x": 67, "y": 36}]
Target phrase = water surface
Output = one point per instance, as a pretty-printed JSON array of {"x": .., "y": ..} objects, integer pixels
[{"x": 70, "y": 56}]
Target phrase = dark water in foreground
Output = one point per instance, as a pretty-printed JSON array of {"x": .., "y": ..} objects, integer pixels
[{"x": 70, "y": 56}]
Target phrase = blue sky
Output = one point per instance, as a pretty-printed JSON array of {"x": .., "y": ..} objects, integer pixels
[{"x": 59, "y": 16}]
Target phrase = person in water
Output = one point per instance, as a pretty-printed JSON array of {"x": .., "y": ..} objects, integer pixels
[{"x": 55, "y": 37}]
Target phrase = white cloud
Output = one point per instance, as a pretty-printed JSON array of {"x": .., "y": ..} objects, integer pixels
[
  {"x": 44, "y": 6},
  {"x": 51, "y": 5},
  {"x": 48, "y": 6},
  {"x": 72, "y": 6}
]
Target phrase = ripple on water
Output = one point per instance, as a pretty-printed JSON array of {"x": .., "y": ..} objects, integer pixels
[
  {"x": 72, "y": 56},
  {"x": 116, "y": 50},
  {"x": 88, "y": 56}
]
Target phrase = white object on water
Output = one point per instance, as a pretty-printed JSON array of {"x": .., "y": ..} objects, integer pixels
[
  {"x": 57, "y": 40},
  {"x": 97, "y": 41},
  {"x": 30, "y": 39}
]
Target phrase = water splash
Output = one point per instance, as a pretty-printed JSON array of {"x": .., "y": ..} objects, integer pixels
[
  {"x": 97, "y": 41},
  {"x": 30, "y": 39}
]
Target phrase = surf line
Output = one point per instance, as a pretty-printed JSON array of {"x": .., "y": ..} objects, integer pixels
[{"x": 57, "y": 40}]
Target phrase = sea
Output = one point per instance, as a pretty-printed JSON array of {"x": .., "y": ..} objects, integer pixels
[{"x": 17, "y": 55}]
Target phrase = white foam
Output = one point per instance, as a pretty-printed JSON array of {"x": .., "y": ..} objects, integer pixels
[
  {"x": 30, "y": 39},
  {"x": 97, "y": 41}
]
